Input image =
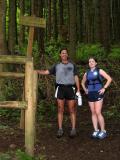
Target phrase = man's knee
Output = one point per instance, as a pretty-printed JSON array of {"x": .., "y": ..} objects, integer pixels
[
  {"x": 72, "y": 110},
  {"x": 60, "y": 109}
]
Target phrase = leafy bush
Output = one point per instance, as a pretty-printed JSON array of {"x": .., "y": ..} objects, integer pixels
[
  {"x": 20, "y": 155},
  {"x": 85, "y": 51},
  {"x": 113, "y": 112},
  {"x": 114, "y": 54},
  {"x": 52, "y": 49}
]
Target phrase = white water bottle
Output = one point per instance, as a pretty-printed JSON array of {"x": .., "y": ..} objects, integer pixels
[{"x": 79, "y": 98}]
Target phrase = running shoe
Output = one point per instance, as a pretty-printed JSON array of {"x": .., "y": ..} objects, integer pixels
[
  {"x": 73, "y": 133},
  {"x": 95, "y": 134},
  {"x": 102, "y": 134},
  {"x": 59, "y": 133}
]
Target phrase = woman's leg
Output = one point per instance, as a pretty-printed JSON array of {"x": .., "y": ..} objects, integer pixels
[
  {"x": 94, "y": 116},
  {"x": 60, "y": 112},
  {"x": 72, "y": 110},
  {"x": 98, "y": 108}
]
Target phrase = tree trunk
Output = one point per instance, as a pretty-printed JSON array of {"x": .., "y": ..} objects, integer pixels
[
  {"x": 72, "y": 28},
  {"x": 115, "y": 23},
  {"x": 97, "y": 22},
  {"x": 55, "y": 28},
  {"x": 22, "y": 28},
  {"x": 3, "y": 46},
  {"x": 61, "y": 19},
  {"x": 79, "y": 20},
  {"x": 49, "y": 20},
  {"x": 105, "y": 23},
  {"x": 12, "y": 32}
]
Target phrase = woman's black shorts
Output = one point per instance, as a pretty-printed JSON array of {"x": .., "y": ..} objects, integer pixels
[
  {"x": 95, "y": 96},
  {"x": 65, "y": 92}
]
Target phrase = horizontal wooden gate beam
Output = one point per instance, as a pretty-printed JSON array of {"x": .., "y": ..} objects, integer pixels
[
  {"x": 14, "y": 59},
  {"x": 13, "y": 104},
  {"x": 12, "y": 74}
]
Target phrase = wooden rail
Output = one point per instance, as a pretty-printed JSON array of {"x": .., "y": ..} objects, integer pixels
[
  {"x": 14, "y": 59},
  {"x": 13, "y": 104},
  {"x": 12, "y": 74}
]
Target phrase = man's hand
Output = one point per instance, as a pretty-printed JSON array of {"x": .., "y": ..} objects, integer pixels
[{"x": 78, "y": 94}]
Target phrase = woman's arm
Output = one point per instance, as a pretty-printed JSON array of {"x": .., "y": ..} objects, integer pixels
[
  {"x": 83, "y": 84},
  {"x": 107, "y": 77},
  {"x": 108, "y": 82}
]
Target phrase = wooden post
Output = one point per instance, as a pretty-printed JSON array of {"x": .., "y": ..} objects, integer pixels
[
  {"x": 35, "y": 95},
  {"x": 30, "y": 42},
  {"x": 29, "y": 113},
  {"x": 22, "y": 117}
]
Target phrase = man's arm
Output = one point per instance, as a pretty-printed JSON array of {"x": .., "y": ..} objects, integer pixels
[
  {"x": 77, "y": 82},
  {"x": 43, "y": 72}
]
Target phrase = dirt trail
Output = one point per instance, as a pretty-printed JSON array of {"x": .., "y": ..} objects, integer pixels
[{"x": 80, "y": 148}]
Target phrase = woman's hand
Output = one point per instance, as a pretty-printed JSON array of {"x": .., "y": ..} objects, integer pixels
[
  {"x": 102, "y": 91},
  {"x": 86, "y": 91}
]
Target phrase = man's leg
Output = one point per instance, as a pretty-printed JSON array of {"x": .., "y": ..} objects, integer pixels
[
  {"x": 72, "y": 110},
  {"x": 60, "y": 116}
]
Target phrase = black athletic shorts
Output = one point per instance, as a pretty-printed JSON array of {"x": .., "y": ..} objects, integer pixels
[
  {"x": 67, "y": 92},
  {"x": 95, "y": 96}
]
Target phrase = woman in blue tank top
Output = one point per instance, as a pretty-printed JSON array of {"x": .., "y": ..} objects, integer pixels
[{"x": 93, "y": 87}]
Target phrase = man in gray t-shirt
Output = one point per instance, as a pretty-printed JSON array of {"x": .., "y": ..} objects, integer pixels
[
  {"x": 64, "y": 73},
  {"x": 67, "y": 84}
]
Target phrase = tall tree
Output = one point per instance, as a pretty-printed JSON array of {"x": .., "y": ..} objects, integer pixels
[
  {"x": 22, "y": 28},
  {"x": 3, "y": 46},
  {"x": 105, "y": 23},
  {"x": 97, "y": 22},
  {"x": 115, "y": 23},
  {"x": 12, "y": 29},
  {"x": 49, "y": 20},
  {"x": 55, "y": 21},
  {"x": 37, "y": 9},
  {"x": 72, "y": 27},
  {"x": 61, "y": 19},
  {"x": 79, "y": 20}
]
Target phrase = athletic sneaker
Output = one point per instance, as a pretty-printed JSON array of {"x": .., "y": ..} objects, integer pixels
[
  {"x": 95, "y": 134},
  {"x": 60, "y": 133},
  {"x": 73, "y": 133},
  {"x": 102, "y": 135}
]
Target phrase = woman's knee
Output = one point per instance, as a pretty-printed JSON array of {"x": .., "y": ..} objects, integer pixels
[
  {"x": 93, "y": 112},
  {"x": 98, "y": 113}
]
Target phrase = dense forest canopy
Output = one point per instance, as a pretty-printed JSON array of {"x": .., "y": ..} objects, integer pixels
[
  {"x": 85, "y": 27},
  {"x": 69, "y": 22}
]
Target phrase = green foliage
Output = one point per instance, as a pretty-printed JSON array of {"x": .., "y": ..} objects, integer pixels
[
  {"x": 11, "y": 90},
  {"x": 85, "y": 51},
  {"x": 5, "y": 156},
  {"x": 20, "y": 155},
  {"x": 113, "y": 112},
  {"x": 52, "y": 49},
  {"x": 114, "y": 54},
  {"x": 45, "y": 110}
]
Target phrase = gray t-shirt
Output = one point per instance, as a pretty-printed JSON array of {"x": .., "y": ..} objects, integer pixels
[{"x": 64, "y": 73}]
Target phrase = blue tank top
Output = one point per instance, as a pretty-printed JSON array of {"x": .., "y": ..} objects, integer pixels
[{"x": 94, "y": 80}]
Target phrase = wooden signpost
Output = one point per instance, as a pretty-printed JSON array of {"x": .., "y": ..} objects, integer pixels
[
  {"x": 28, "y": 106},
  {"x": 30, "y": 83},
  {"x": 32, "y": 22}
]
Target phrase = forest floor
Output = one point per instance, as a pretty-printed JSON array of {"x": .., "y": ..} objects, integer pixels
[{"x": 81, "y": 147}]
